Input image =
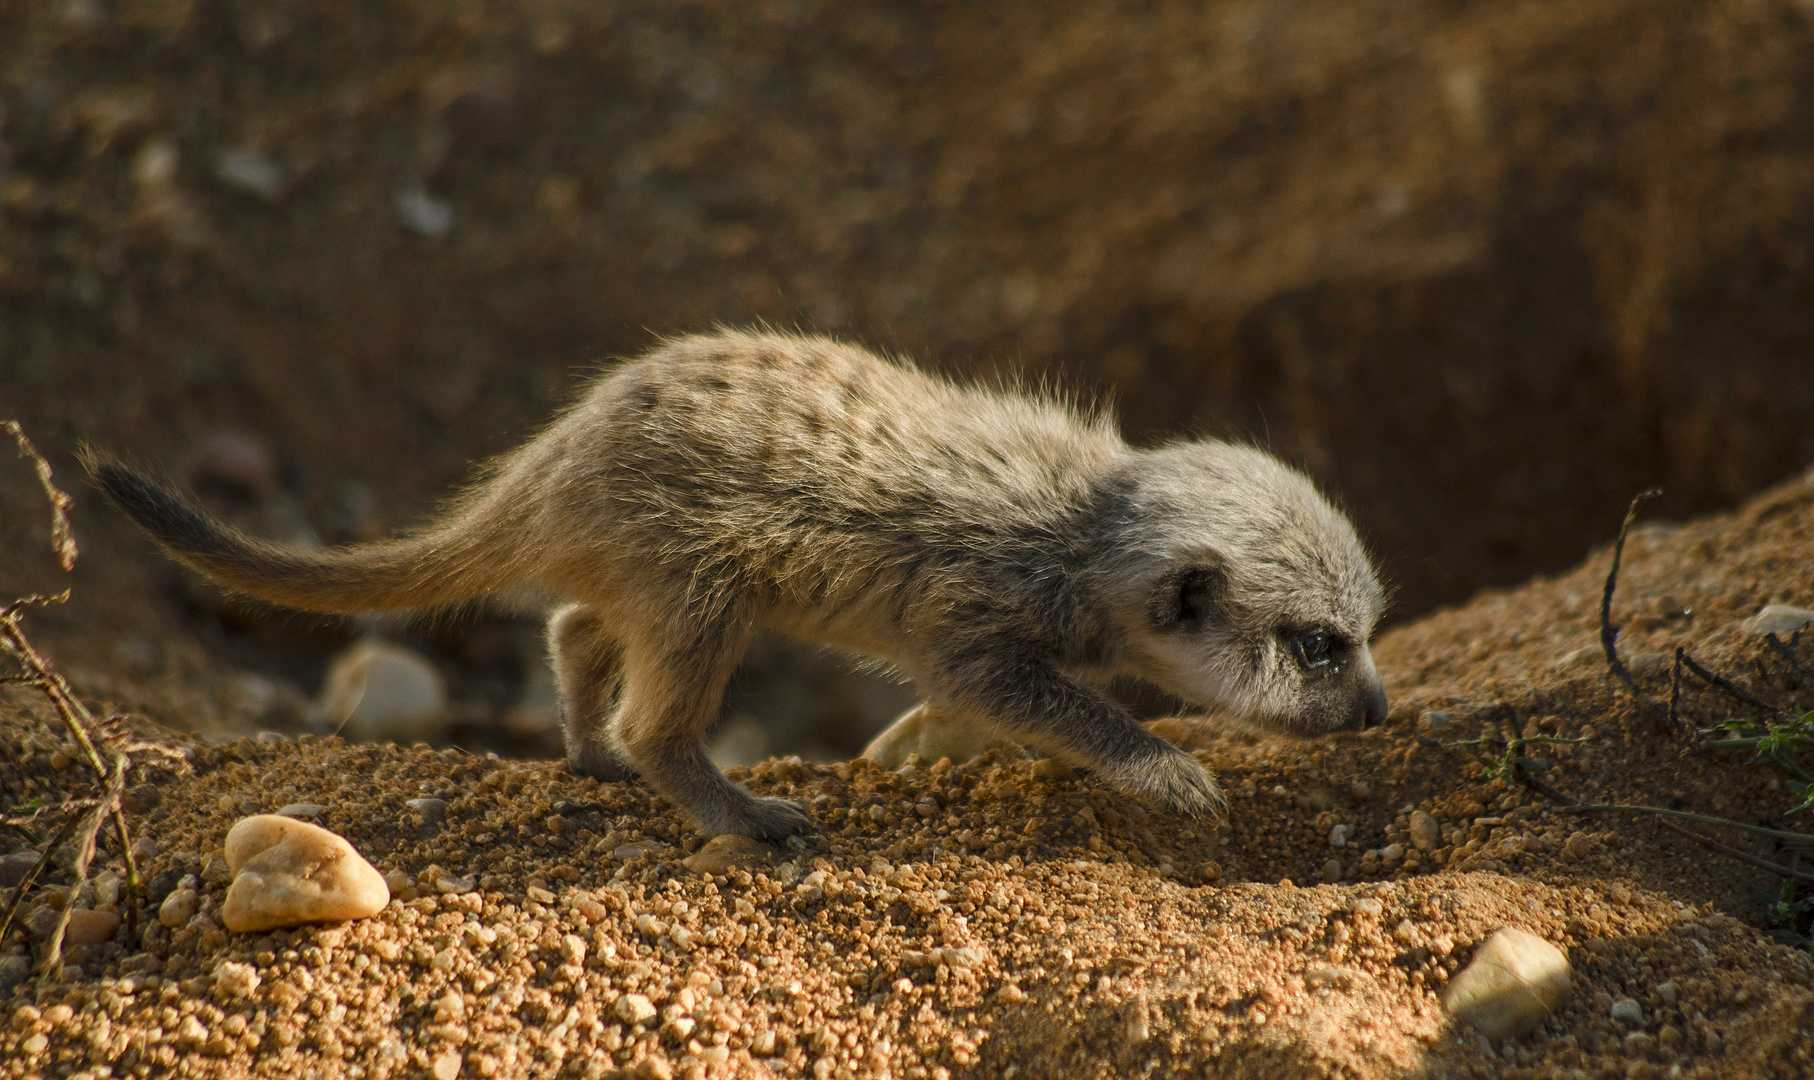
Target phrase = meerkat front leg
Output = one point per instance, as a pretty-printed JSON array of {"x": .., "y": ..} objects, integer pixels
[
  {"x": 588, "y": 668},
  {"x": 1032, "y": 702},
  {"x": 673, "y": 689}
]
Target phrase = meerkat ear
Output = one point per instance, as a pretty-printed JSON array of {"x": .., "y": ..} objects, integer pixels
[{"x": 1189, "y": 596}]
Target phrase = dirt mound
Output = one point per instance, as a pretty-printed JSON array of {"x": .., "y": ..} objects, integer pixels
[{"x": 1014, "y": 919}]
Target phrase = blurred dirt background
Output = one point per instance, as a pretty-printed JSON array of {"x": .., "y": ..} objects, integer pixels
[{"x": 1483, "y": 270}]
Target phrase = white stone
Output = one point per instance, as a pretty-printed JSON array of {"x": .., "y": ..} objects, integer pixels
[
  {"x": 1779, "y": 619},
  {"x": 179, "y": 907},
  {"x": 379, "y": 691},
  {"x": 288, "y": 872},
  {"x": 932, "y": 733},
  {"x": 233, "y": 979},
  {"x": 634, "y": 1008},
  {"x": 1515, "y": 980},
  {"x": 721, "y": 853}
]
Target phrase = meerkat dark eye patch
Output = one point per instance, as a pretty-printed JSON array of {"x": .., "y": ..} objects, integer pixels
[
  {"x": 1189, "y": 598},
  {"x": 1317, "y": 650}
]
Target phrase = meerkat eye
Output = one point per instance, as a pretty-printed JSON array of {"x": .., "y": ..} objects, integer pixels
[{"x": 1315, "y": 651}]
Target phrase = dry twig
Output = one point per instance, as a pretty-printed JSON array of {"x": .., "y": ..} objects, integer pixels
[
  {"x": 1609, "y": 634},
  {"x": 110, "y": 758}
]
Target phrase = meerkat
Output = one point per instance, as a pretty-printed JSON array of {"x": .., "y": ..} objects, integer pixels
[{"x": 1007, "y": 552}]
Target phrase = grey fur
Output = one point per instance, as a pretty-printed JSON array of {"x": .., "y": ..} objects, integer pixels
[{"x": 1008, "y": 553}]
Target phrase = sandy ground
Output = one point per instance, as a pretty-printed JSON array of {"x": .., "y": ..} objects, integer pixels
[{"x": 1012, "y": 919}]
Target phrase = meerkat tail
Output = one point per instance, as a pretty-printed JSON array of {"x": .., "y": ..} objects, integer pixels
[{"x": 456, "y": 560}]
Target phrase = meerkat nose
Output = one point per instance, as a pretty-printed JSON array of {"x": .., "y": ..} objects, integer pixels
[{"x": 1373, "y": 707}]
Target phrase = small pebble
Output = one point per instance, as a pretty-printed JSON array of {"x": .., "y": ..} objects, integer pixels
[
  {"x": 1425, "y": 834},
  {"x": 141, "y": 799},
  {"x": 234, "y": 980},
  {"x": 1627, "y": 1011},
  {"x": 446, "y": 1066},
  {"x": 1339, "y": 835},
  {"x": 1515, "y": 980},
  {"x": 107, "y": 887},
  {"x": 14, "y": 867},
  {"x": 13, "y": 971},
  {"x": 90, "y": 927},
  {"x": 288, "y": 872},
  {"x": 449, "y": 885},
  {"x": 1668, "y": 992},
  {"x": 1779, "y": 619},
  {"x": 302, "y": 810},
  {"x": 178, "y": 908},
  {"x": 433, "y": 811},
  {"x": 719, "y": 854},
  {"x": 634, "y": 1008}
]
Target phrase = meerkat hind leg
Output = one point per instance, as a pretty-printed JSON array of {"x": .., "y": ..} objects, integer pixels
[
  {"x": 670, "y": 697},
  {"x": 588, "y": 668}
]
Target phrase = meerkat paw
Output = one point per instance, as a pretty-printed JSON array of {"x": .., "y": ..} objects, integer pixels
[
  {"x": 1181, "y": 784},
  {"x": 591, "y": 759},
  {"x": 765, "y": 819}
]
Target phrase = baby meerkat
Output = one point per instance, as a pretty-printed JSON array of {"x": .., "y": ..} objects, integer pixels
[{"x": 1009, "y": 554}]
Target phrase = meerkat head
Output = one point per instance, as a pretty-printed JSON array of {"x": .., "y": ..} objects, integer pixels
[{"x": 1242, "y": 588}]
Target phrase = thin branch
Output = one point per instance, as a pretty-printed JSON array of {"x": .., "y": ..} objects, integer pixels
[
  {"x": 1731, "y": 688},
  {"x": 1789, "y": 657},
  {"x": 1798, "y": 838},
  {"x": 62, "y": 539},
  {"x": 32, "y": 874},
  {"x": 1792, "y": 872},
  {"x": 1609, "y": 634}
]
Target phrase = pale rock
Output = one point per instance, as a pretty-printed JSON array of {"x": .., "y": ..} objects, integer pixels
[
  {"x": 379, "y": 691},
  {"x": 1779, "y": 619},
  {"x": 288, "y": 872},
  {"x": 233, "y": 980},
  {"x": 306, "y": 811},
  {"x": 931, "y": 733},
  {"x": 634, "y": 1008},
  {"x": 719, "y": 854},
  {"x": 1515, "y": 980},
  {"x": 446, "y": 1066},
  {"x": 1627, "y": 1011},
  {"x": 106, "y": 889},
  {"x": 179, "y": 907},
  {"x": 88, "y": 927},
  {"x": 1424, "y": 832}
]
